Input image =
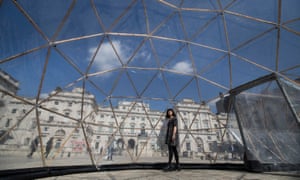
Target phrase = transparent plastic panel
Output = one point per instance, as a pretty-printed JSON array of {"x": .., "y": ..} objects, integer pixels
[
  {"x": 232, "y": 126},
  {"x": 271, "y": 136},
  {"x": 292, "y": 90}
]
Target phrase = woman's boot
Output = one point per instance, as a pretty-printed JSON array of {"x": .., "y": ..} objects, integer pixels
[
  {"x": 169, "y": 167},
  {"x": 178, "y": 167}
]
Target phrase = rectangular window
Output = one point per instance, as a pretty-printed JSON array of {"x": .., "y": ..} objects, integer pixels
[
  {"x": 100, "y": 127},
  {"x": 228, "y": 135},
  {"x": 199, "y": 147},
  {"x": 18, "y": 122},
  {"x": 96, "y": 145},
  {"x": 210, "y": 145},
  {"x": 57, "y": 145},
  {"x": 132, "y": 129},
  {"x": 122, "y": 127},
  {"x": 218, "y": 135},
  {"x": 26, "y": 141},
  {"x": 188, "y": 146},
  {"x": 7, "y": 124},
  {"x": 33, "y": 125},
  {"x": 111, "y": 125},
  {"x": 51, "y": 118},
  {"x": 205, "y": 124}
]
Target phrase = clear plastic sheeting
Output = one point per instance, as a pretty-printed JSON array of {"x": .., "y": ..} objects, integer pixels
[
  {"x": 88, "y": 82},
  {"x": 268, "y": 125},
  {"x": 233, "y": 128},
  {"x": 292, "y": 94}
]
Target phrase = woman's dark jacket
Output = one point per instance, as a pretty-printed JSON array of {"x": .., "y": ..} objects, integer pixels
[{"x": 171, "y": 124}]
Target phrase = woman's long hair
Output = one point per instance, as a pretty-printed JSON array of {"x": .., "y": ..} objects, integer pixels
[{"x": 167, "y": 114}]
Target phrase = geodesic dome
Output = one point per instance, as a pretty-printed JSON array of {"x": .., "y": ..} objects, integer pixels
[{"x": 96, "y": 74}]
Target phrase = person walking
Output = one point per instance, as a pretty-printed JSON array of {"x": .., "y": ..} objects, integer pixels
[
  {"x": 33, "y": 146},
  {"x": 172, "y": 139},
  {"x": 49, "y": 147},
  {"x": 110, "y": 148}
]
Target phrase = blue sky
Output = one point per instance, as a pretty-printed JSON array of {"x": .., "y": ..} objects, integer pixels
[{"x": 152, "y": 51}]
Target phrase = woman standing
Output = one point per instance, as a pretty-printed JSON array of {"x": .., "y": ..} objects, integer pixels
[{"x": 172, "y": 139}]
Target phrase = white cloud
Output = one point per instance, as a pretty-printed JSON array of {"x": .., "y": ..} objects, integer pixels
[
  {"x": 106, "y": 57},
  {"x": 183, "y": 67},
  {"x": 44, "y": 95},
  {"x": 144, "y": 55}
]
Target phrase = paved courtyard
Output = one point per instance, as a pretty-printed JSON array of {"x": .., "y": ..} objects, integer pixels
[
  {"x": 181, "y": 175},
  {"x": 19, "y": 162}
]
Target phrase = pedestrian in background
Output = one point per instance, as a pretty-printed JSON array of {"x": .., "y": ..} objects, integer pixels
[
  {"x": 110, "y": 147},
  {"x": 33, "y": 146},
  {"x": 49, "y": 146}
]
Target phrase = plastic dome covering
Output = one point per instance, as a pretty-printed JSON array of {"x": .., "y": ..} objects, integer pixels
[{"x": 82, "y": 77}]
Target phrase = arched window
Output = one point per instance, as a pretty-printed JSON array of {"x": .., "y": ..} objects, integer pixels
[
  {"x": 60, "y": 133},
  {"x": 200, "y": 147},
  {"x": 89, "y": 131}
]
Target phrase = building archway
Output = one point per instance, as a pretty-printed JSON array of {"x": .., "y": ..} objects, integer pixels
[
  {"x": 120, "y": 143},
  {"x": 200, "y": 146},
  {"x": 131, "y": 144},
  {"x": 59, "y": 136}
]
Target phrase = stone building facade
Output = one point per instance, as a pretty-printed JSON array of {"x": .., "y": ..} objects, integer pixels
[{"x": 80, "y": 126}]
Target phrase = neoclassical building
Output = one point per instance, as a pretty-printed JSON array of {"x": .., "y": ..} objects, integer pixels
[{"x": 80, "y": 126}]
